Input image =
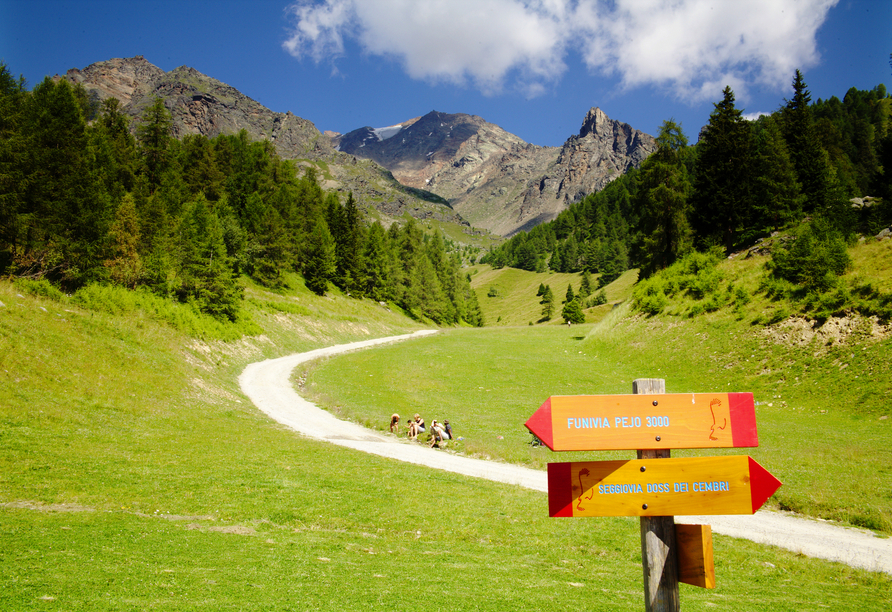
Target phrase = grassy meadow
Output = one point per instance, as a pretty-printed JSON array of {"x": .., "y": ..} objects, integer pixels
[{"x": 135, "y": 475}]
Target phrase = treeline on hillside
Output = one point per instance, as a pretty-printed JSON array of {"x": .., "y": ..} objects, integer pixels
[
  {"x": 84, "y": 201},
  {"x": 739, "y": 183}
]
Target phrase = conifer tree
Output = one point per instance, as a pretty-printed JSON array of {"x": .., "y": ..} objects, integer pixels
[
  {"x": 547, "y": 304},
  {"x": 350, "y": 241},
  {"x": 205, "y": 277},
  {"x": 125, "y": 264},
  {"x": 810, "y": 159},
  {"x": 424, "y": 294},
  {"x": 777, "y": 199},
  {"x": 13, "y": 156},
  {"x": 570, "y": 295},
  {"x": 375, "y": 264},
  {"x": 585, "y": 286},
  {"x": 320, "y": 259},
  {"x": 662, "y": 202},
  {"x": 721, "y": 188},
  {"x": 64, "y": 212},
  {"x": 572, "y": 312},
  {"x": 120, "y": 164},
  {"x": 154, "y": 139}
]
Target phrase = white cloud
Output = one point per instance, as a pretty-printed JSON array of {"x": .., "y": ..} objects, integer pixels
[{"x": 690, "y": 48}]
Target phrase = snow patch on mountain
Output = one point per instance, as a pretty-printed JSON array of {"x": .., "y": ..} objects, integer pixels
[{"x": 387, "y": 132}]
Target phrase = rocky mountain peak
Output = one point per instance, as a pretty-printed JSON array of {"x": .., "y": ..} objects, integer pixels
[
  {"x": 595, "y": 120},
  {"x": 121, "y": 78}
]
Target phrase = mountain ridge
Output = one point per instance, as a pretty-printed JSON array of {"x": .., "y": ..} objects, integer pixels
[
  {"x": 456, "y": 168},
  {"x": 202, "y": 105},
  {"x": 494, "y": 178}
]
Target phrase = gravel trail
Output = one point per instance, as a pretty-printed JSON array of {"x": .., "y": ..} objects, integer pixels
[{"x": 267, "y": 384}]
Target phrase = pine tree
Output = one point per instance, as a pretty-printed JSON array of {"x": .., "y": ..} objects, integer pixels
[
  {"x": 777, "y": 199},
  {"x": 721, "y": 189},
  {"x": 205, "y": 274},
  {"x": 13, "y": 165},
  {"x": 320, "y": 259},
  {"x": 572, "y": 312},
  {"x": 570, "y": 295},
  {"x": 809, "y": 157},
  {"x": 350, "y": 241},
  {"x": 424, "y": 294},
  {"x": 154, "y": 139},
  {"x": 585, "y": 286},
  {"x": 64, "y": 213},
  {"x": 375, "y": 265},
  {"x": 662, "y": 202},
  {"x": 547, "y": 304},
  {"x": 112, "y": 141},
  {"x": 267, "y": 248}
]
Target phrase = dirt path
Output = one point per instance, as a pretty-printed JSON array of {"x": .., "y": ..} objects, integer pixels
[{"x": 268, "y": 385}]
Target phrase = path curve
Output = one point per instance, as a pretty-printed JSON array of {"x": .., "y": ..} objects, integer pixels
[{"x": 267, "y": 384}]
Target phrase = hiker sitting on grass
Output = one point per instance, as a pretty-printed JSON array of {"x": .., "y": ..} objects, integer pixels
[
  {"x": 415, "y": 427},
  {"x": 438, "y": 434}
]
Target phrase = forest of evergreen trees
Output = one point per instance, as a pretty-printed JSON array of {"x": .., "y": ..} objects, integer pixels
[
  {"x": 741, "y": 181},
  {"x": 83, "y": 200}
]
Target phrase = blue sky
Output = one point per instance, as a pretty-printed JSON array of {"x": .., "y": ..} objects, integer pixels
[{"x": 533, "y": 67}]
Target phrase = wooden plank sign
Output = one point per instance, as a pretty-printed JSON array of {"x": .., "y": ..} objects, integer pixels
[
  {"x": 635, "y": 422},
  {"x": 661, "y": 487},
  {"x": 695, "y": 561}
]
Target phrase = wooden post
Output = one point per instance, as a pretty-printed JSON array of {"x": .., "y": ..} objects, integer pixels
[{"x": 658, "y": 546}]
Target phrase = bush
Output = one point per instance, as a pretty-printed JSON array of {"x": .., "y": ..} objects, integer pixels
[
  {"x": 816, "y": 259},
  {"x": 650, "y": 296},
  {"x": 40, "y": 288},
  {"x": 185, "y": 318},
  {"x": 699, "y": 273}
]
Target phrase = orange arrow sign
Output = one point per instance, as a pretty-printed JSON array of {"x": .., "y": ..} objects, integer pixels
[
  {"x": 627, "y": 422},
  {"x": 659, "y": 487}
]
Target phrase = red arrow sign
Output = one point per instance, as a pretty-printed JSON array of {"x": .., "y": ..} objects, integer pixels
[
  {"x": 627, "y": 422},
  {"x": 659, "y": 487}
]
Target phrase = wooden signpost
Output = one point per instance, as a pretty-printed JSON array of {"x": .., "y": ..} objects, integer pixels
[
  {"x": 654, "y": 486},
  {"x": 623, "y": 422},
  {"x": 641, "y": 487}
]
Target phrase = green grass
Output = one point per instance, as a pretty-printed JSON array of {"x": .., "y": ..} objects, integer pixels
[{"x": 135, "y": 475}]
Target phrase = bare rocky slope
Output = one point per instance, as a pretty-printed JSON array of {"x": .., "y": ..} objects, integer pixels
[
  {"x": 493, "y": 178},
  {"x": 203, "y": 105}
]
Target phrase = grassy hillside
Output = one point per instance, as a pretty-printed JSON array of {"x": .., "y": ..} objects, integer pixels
[
  {"x": 507, "y": 296},
  {"x": 135, "y": 475}
]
